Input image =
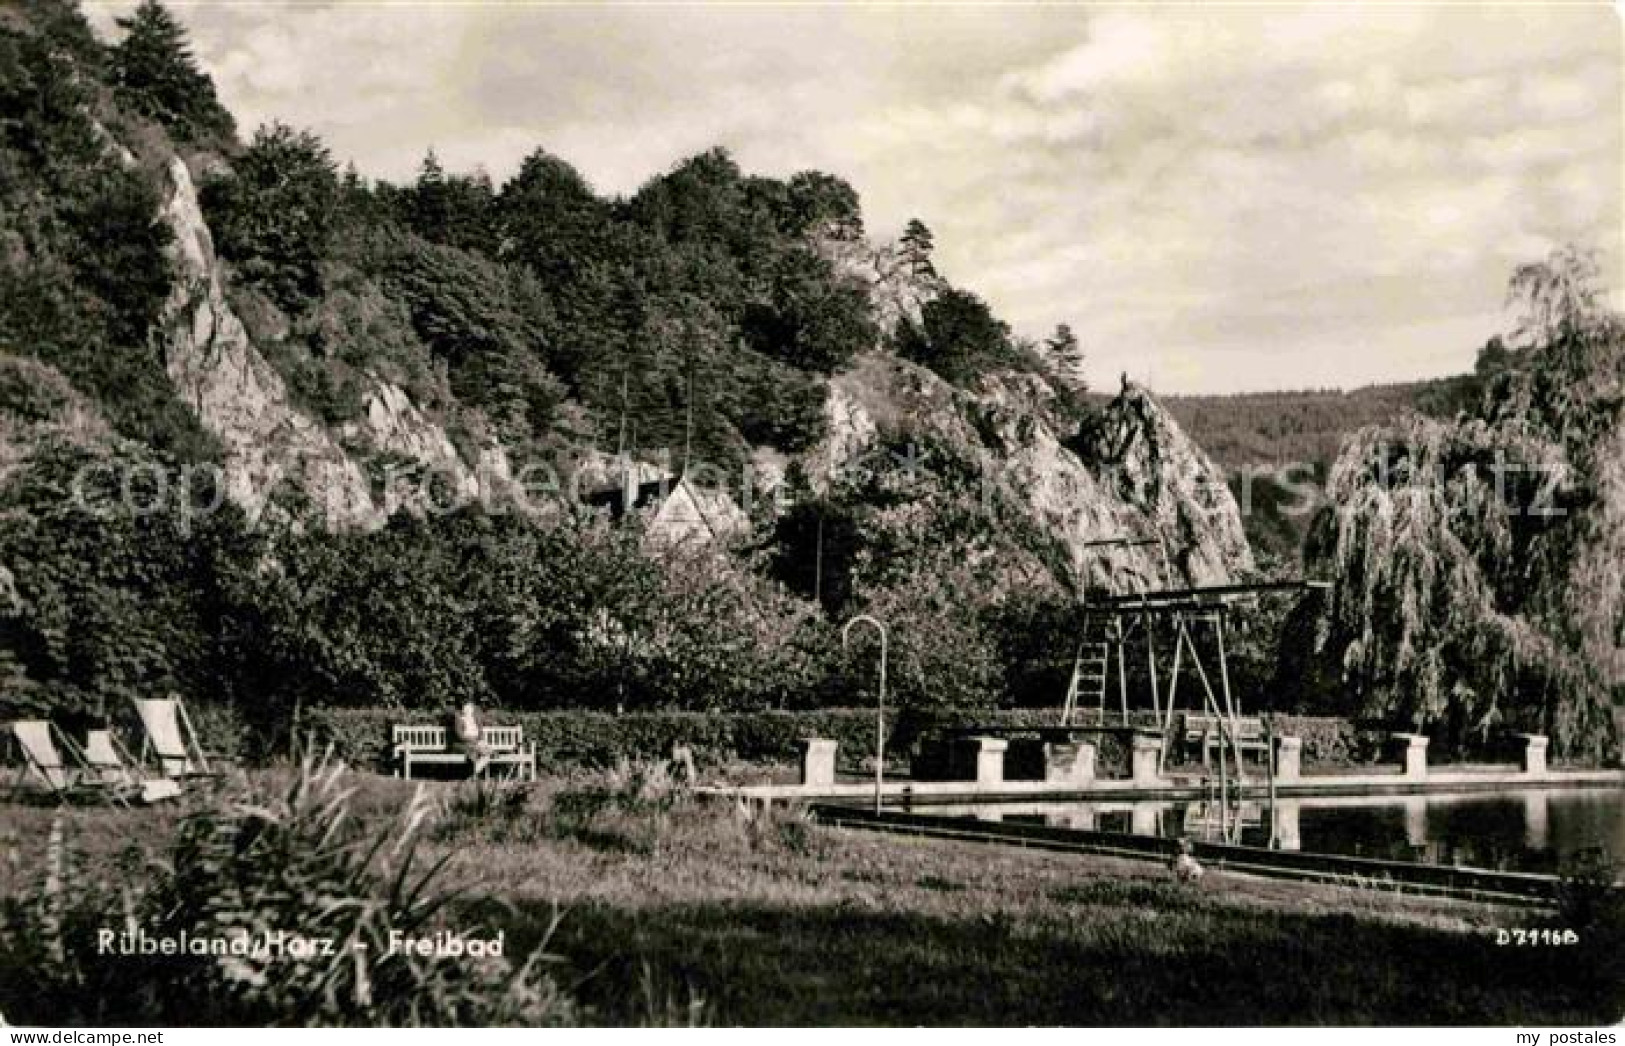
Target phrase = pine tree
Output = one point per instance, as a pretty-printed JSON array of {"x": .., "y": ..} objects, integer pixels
[
  {"x": 155, "y": 74},
  {"x": 917, "y": 246},
  {"x": 273, "y": 214},
  {"x": 431, "y": 205},
  {"x": 1065, "y": 357}
]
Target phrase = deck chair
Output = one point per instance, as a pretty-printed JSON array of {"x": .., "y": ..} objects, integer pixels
[
  {"x": 106, "y": 761},
  {"x": 171, "y": 739},
  {"x": 112, "y": 763},
  {"x": 57, "y": 763}
]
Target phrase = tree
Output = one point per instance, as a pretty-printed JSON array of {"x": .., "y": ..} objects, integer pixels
[
  {"x": 485, "y": 321},
  {"x": 551, "y": 221},
  {"x": 1567, "y": 346},
  {"x": 430, "y": 203},
  {"x": 1556, "y": 298},
  {"x": 272, "y": 215},
  {"x": 1492, "y": 358},
  {"x": 823, "y": 204},
  {"x": 917, "y": 246},
  {"x": 155, "y": 73},
  {"x": 957, "y": 336},
  {"x": 84, "y": 272},
  {"x": 113, "y": 586},
  {"x": 814, "y": 318},
  {"x": 701, "y": 199},
  {"x": 1065, "y": 357}
]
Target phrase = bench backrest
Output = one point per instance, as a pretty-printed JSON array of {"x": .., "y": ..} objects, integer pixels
[
  {"x": 422, "y": 738},
  {"x": 503, "y": 737},
  {"x": 419, "y": 738}
]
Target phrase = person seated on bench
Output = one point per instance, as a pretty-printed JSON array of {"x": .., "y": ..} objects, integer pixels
[{"x": 466, "y": 734}]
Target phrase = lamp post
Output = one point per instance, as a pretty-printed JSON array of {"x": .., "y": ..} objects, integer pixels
[{"x": 880, "y": 705}]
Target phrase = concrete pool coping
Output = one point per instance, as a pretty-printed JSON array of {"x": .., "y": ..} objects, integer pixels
[{"x": 903, "y": 791}]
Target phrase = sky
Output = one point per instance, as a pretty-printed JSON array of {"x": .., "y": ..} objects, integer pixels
[{"x": 1215, "y": 198}]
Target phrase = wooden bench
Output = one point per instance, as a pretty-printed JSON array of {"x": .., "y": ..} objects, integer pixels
[
  {"x": 418, "y": 744},
  {"x": 1208, "y": 732}
]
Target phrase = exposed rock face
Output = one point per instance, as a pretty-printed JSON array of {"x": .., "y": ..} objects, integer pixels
[
  {"x": 1157, "y": 470},
  {"x": 1140, "y": 478},
  {"x": 392, "y": 428},
  {"x": 1143, "y": 479},
  {"x": 273, "y": 449},
  {"x": 896, "y": 291},
  {"x": 237, "y": 394}
]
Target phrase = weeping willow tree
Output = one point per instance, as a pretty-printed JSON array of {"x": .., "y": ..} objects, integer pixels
[{"x": 1479, "y": 566}]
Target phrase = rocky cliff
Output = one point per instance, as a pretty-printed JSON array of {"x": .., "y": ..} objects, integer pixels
[
  {"x": 895, "y": 288},
  {"x": 236, "y": 393},
  {"x": 1134, "y": 475},
  {"x": 273, "y": 450}
]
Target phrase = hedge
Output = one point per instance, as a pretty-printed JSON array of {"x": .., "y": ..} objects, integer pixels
[
  {"x": 1333, "y": 741},
  {"x": 583, "y": 738}
]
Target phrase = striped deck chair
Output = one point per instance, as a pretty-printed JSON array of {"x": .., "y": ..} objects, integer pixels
[
  {"x": 171, "y": 739},
  {"x": 52, "y": 759}
]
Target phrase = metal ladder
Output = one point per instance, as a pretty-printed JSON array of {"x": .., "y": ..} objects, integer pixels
[{"x": 1088, "y": 676}]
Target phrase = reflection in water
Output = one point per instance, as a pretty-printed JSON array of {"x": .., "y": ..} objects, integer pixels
[
  {"x": 1523, "y": 830},
  {"x": 1537, "y": 827}
]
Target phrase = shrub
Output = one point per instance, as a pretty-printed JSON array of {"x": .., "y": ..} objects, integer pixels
[
  {"x": 246, "y": 865},
  {"x": 113, "y": 601},
  {"x": 599, "y": 739},
  {"x": 958, "y": 337},
  {"x": 33, "y": 391}
]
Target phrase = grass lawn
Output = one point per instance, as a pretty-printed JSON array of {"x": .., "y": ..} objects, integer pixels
[{"x": 671, "y": 907}]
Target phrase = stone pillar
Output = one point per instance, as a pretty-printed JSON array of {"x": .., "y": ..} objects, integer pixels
[
  {"x": 1143, "y": 818},
  {"x": 1080, "y": 817},
  {"x": 1414, "y": 751},
  {"x": 1286, "y": 824},
  {"x": 1534, "y": 753},
  {"x": 1144, "y": 755},
  {"x": 818, "y": 761},
  {"x": 982, "y": 758},
  {"x": 1288, "y": 759},
  {"x": 1070, "y": 763}
]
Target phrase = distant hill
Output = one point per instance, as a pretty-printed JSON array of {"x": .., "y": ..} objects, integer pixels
[
  {"x": 1256, "y": 436},
  {"x": 1309, "y": 425}
]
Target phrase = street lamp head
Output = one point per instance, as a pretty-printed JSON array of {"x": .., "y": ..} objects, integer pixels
[{"x": 846, "y": 630}]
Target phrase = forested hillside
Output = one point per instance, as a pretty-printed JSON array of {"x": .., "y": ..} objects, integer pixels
[
  {"x": 1309, "y": 425},
  {"x": 276, "y": 435},
  {"x": 1277, "y": 448}
]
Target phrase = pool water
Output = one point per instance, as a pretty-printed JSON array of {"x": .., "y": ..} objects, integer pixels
[{"x": 1532, "y": 830}]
